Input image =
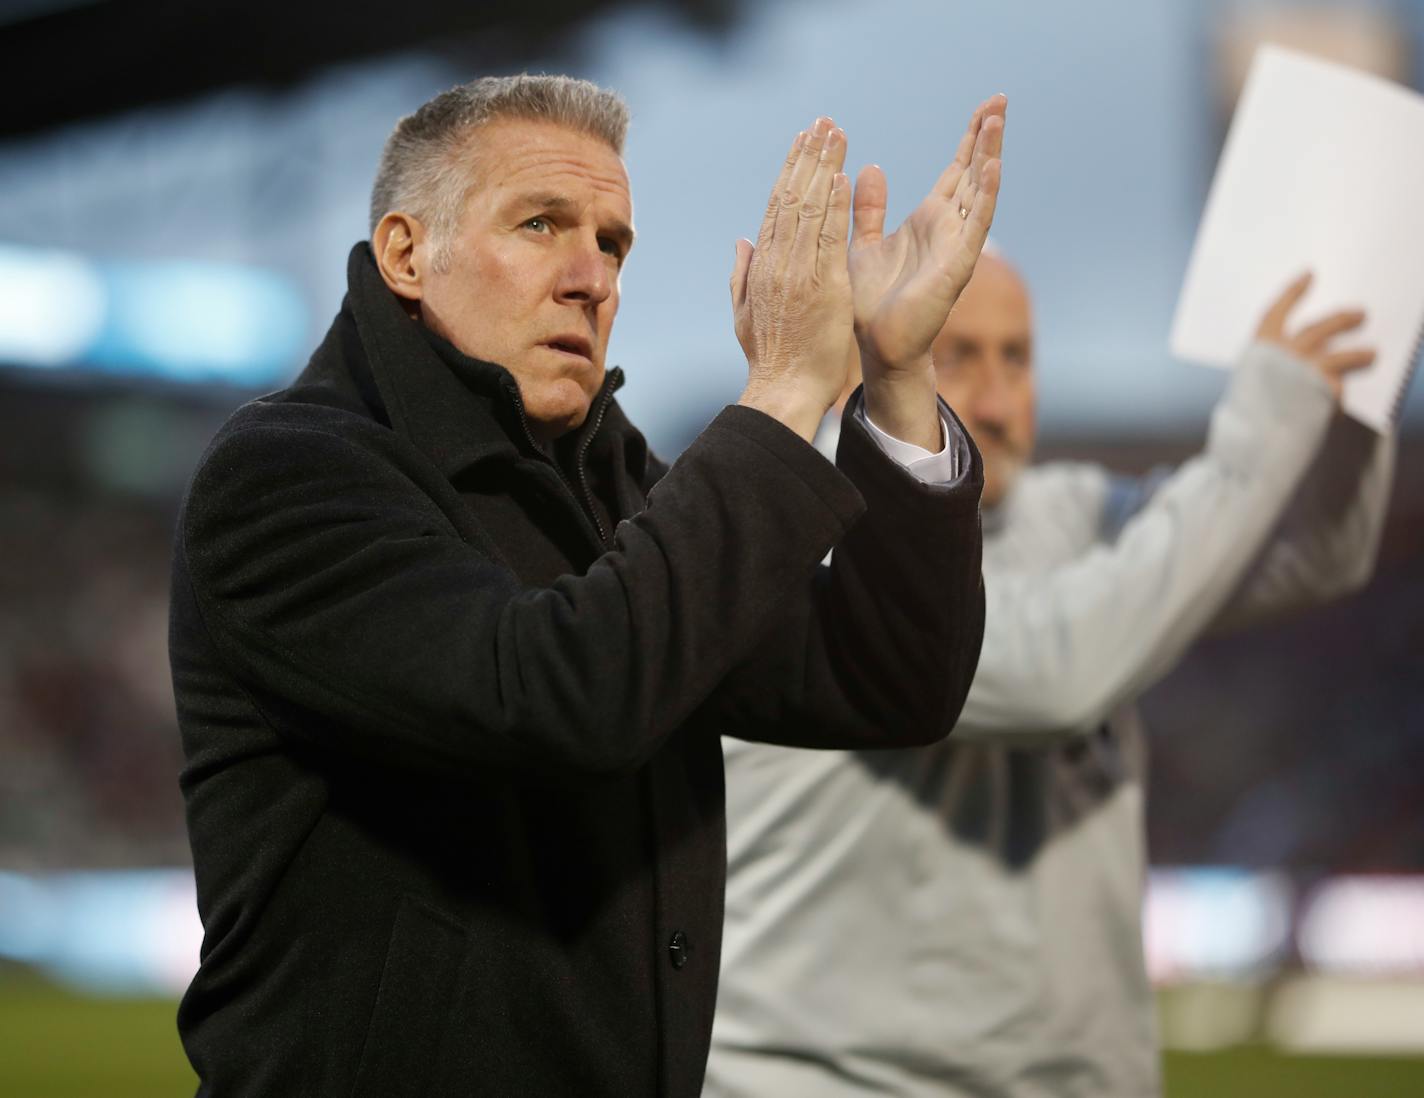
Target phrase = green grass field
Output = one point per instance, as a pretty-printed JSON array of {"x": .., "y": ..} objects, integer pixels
[
  {"x": 54, "y": 1044},
  {"x": 1264, "y": 1073}
]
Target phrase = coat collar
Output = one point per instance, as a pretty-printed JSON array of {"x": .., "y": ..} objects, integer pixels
[{"x": 457, "y": 410}]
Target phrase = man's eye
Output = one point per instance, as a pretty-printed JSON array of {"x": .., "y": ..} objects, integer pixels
[
  {"x": 609, "y": 246},
  {"x": 538, "y": 224}
]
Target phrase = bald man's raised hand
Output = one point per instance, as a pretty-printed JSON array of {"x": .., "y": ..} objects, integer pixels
[
  {"x": 791, "y": 300},
  {"x": 904, "y": 284},
  {"x": 1317, "y": 343}
]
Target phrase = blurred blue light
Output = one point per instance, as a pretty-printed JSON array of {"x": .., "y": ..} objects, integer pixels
[
  {"x": 1215, "y": 922},
  {"x": 178, "y": 320},
  {"x": 25, "y": 916},
  {"x": 108, "y": 932},
  {"x": 52, "y": 306}
]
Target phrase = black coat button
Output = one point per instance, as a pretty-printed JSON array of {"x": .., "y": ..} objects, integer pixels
[{"x": 679, "y": 948}]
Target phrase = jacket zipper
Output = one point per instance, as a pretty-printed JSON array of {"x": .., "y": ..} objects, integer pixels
[
  {"x": 583, "y": 472},
  {"x": 587, "y": 493}
]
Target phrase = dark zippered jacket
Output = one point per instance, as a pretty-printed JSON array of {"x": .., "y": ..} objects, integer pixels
[{"x": 451, "y": 711}]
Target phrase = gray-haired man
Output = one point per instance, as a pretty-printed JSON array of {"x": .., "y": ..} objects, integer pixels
[{"x": 452, "y": 651}]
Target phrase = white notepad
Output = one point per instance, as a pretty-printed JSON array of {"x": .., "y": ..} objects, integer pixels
[{"x": 1323, "y": 170}]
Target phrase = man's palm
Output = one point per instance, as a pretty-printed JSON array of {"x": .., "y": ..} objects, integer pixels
[{"x": 904, "y": 284}]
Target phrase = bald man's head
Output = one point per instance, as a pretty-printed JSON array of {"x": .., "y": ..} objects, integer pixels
[{"x": 984, "y": 361}]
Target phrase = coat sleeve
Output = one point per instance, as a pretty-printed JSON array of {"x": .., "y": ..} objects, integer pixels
[
  {"x": 1327, "y": 543},
  {"x": 1064, "y": 647},
  {"x": 883, "y": 651},
  {"x": 342, "y": 598}
]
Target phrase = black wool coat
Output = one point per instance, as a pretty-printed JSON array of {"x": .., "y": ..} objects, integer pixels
[{"x": 451, "y": 712}]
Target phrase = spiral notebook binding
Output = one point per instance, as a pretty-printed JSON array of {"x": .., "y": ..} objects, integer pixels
[{"x": 1408, "y": 375}]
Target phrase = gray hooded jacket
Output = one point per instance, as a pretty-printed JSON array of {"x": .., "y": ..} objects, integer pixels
[{"x": 965, "y": 919}]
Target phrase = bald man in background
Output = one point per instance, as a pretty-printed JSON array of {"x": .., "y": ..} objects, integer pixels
[{"x": 965, "y": 919}]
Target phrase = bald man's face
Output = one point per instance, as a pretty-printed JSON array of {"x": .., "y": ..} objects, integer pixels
[{"x": 984, "y": 361}]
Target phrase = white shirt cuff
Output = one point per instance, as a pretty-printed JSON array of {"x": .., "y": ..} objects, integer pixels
[{"x": 928, "y": 468}]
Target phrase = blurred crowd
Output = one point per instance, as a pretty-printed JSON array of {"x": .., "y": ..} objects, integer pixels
[{"x": 87, "y": 731}]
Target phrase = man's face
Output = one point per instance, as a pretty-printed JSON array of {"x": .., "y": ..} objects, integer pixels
[
  {"x": 532, "y": 277},
  {"x": 984, "y": 361}
]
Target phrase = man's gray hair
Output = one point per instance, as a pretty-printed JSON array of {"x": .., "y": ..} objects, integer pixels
[{"x": 425, "y": 166}]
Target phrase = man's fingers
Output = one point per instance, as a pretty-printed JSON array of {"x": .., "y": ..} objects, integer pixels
[
  {"x": 1334, "y": 366},
  {"x": 812, "y": 214},
  {"x": 988, "y": 146},
  {"x": 798, "y": 182},
  {"x": 949, "y": 178},
  {"x": 741, "y": 265},
  {"x": 1315, "y": 336},
  {"x": 871, "y": 193},
  {"x": 1273, "y": 323},
  {"x": 768, "y": 222},
  {"x": 1344, "y": 362},
  {"x": 981, "y": 209},
  {"x": 831, "y": 254},
  {"x": 971, "y": 183}
]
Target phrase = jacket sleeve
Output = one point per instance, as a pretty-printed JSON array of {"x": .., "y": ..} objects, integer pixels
[
  {"x": 883, "y": 651},
  {"x": 343, "y": 599},
  {"x": 1327, "y": 543},
  {"x": 1063, "y": 648}
]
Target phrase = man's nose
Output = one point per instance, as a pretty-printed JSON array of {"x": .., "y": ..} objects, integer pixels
[
  {"x": 992, "y": 402},
  {"x": 585, "y": 278}
]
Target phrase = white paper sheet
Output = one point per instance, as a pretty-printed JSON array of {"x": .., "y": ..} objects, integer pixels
[{"x": 1323, "y": 170}]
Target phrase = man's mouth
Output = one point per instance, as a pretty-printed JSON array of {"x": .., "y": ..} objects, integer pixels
[{"x": 571, "y": 345}]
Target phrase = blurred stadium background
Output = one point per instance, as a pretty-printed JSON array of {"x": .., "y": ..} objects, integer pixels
[{"x": 180, "y": 184}]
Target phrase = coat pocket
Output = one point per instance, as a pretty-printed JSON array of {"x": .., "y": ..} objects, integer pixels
[{"x": 413, "y": 1003}]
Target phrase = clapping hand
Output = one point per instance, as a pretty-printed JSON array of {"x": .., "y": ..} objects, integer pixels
[
  {"x": 903, "y": 285},
  {"x": 791, "y": 290}
]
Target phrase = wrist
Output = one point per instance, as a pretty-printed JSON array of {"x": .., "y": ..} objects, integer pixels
[
  {"x": 793, "y": 404},
  {"x": 904, "y": 402}
]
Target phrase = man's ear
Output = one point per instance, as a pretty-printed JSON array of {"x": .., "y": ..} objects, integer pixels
[{"x": 395, "y": 242}]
